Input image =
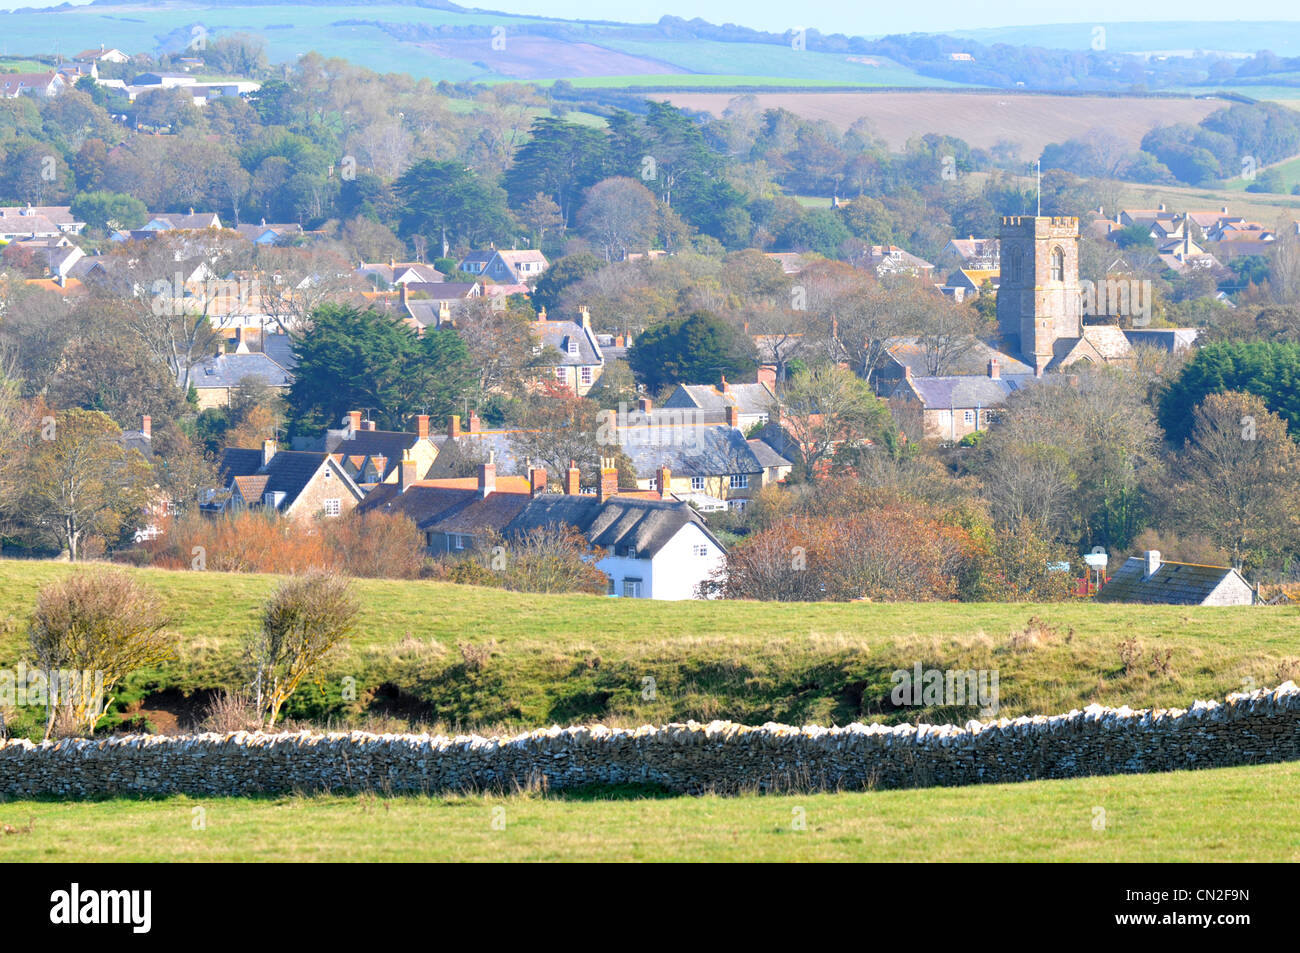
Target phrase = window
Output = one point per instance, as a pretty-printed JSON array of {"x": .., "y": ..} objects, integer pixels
[
  {"x": 737, "y": 504},
  {"x": 457, "y": 541},
  {"x": 332, "y": 508},
  {"x": 560, "y": 374},
  {"x": 631, "y": 588},
  {"x": 740, "y": 481},
  {"x": 699, "y": 549},
  {"x": 629, "y": 552},
  {"x": 329, "y": 474},
  {"x": 970, "y": 416},
  {"x": 573, "y": 346},
  {"x": 697, "y": 483},
  {"x": 586, "y": 375},
  {"x": 1058, "y": 265},
  {"x": 609, "y": 587}
]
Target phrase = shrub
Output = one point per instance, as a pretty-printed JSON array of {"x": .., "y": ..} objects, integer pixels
[
  {"x": 304, "y": 620},
  {"x": 94, "y": 628}
]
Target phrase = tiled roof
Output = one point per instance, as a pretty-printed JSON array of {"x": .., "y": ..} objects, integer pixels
[
  {"x": 387, "y": 444},
  {"x": 1172, "y": 583}
]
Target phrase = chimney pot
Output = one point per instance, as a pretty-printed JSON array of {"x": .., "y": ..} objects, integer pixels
[
  {"x": 354, "y": 420},
  {"x": 422, "y": 426},
  {"x": 572, "y": 480},
  {"x": 475, "y": 425},
  {"x": 608, "y": 479}
]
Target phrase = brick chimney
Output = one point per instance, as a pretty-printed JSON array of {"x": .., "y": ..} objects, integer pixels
[
  {"x": 422, "y": 426},
  {"x": 572, "y": 479},
  {"x": 536, "y": 480},
  {"x": 475, "y": 425},
  {"x": 1151, "y": 563},
  {"x": 907, "y": 372},
  {"x": 586, "y": 316},
  {"x": 268, "y": 451},
  {"x": 995, "y": 371},
  {"x": 767, "y": 376},
  {"x": 405, "y": 472},
  {"x": 146, "y": 425},
  {"x": 367, "y": 425},
  {"x": 354, "y": 420},
  {"x": 608, "y": 479},
  {"x": 487, "y": 476},
  {"x": 722, "y": 387},
  {"x": 541, "y": 314},
  {"x": 733, "y": 416},
  {"x": 453, "y": 426},
  {"x": 664, "y": 477},
  {"x": 645, "y": 404}
]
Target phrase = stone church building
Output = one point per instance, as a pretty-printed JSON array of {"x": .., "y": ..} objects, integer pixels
[{"x": 1040, "y": 299}]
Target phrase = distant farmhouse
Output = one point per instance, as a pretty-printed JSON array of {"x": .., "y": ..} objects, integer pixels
[{"x": 1149, "y": 578}]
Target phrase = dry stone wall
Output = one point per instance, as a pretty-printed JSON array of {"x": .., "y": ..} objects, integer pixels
[{"x": 1258, "y": 727}]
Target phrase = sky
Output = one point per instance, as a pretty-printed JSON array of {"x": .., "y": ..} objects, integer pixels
[{"x": 855, "y": 17}]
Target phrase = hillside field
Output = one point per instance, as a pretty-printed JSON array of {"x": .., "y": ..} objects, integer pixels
[
  {"x": 1226, "y": 814},
  {"x": 1031, "y": 120},
  {"x": 457, "y": 657}
]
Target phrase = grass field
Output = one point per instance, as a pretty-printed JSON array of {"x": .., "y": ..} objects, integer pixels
[
  {"x": 1227, "y": 814},
  {"x": 982, "y": 119},
  {"x": 457, "y": 657}
]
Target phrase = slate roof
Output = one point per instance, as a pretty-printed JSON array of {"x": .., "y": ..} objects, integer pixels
[
  {"x": 766, "y": 456},
  {"x": 906, "y": 352},
  {"x": 688, "y": 451},
  {"x": 227, "y": 370},
  {"x": 291, "y": 470},
  {"x": 965, "y": 392},
  {"x": 619, "y": 522},
  {"x": 279, "y": 348},
  {"x": 238, "y": 461},
  {"x": 421, "y": 503},
  {"x": 1109, "y": 340},
  {"x": 388, "y": 444},
  {"x": 558, "y": 334},
  {"x": 749, "y": 398},
  {"x": 493, "y": 511},
  {"x": 1173, "y": 583},
  {"x": 1172, "y": 340}
]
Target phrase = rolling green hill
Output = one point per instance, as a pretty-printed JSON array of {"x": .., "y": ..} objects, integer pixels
[{"x": 456, "y": 657}]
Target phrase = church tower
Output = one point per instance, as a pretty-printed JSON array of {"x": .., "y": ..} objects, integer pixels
[{"x": 1039, "y": 302}]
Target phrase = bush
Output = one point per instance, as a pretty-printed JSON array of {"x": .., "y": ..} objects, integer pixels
[
  {"x": 87, "y": 633},
  {"x": 304, "y": 620}
]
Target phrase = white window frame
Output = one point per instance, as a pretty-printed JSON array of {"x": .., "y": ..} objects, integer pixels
[
  {"x": 332, "y": 507},
  {"x": 697, "y": 483},
  {"x": 585, "y": 374},
  {"x": 631, "y": 588},
  {"x": 740, "y": 481}
]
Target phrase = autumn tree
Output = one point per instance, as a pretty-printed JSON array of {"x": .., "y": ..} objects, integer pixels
[
  {"x": 1237, "y": 479},
  {"x": 80, "y": 481},
  {"x": 826, "y": 407}
]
